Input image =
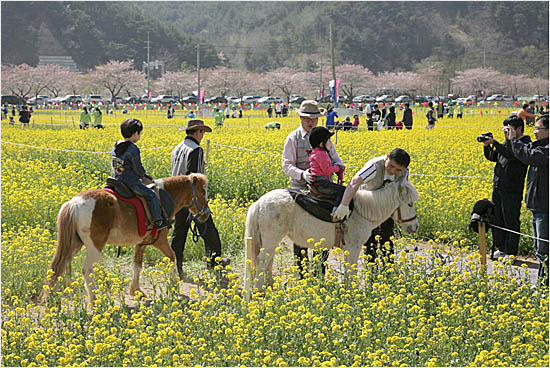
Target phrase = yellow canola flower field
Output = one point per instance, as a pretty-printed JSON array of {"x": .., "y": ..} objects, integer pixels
[{"x": 416, "y": 312}]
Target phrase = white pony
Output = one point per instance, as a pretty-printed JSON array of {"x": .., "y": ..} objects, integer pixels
[{"x": 276, "y": 215}]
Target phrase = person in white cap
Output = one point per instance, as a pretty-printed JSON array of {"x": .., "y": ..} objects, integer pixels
[{"x": 296, "y": 160}]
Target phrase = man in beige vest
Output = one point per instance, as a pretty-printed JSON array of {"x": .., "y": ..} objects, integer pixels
[
  {"x": 296, "y": 160},
  {"x": 374, "y": 175}
]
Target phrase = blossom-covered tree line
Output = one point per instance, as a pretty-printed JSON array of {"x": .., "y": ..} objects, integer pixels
[{"x": 118, "y": 78}]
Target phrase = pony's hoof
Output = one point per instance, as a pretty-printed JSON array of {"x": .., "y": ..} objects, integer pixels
[
  {"x": 38, "y": 298},
  {"x": 137, "y": 291}
]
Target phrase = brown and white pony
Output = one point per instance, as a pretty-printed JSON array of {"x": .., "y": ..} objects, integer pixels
[{"x": 95, "y": 217}]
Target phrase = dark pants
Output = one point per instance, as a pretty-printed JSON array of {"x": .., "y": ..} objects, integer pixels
[
  {"x": 385, "y": 231},
  {"x": 328, "y": 188},
  {"x": 301, "y": 257},
  {"x": 208, "y": 233},
  {"x": 540, "y": 230},
  {"x": 507, "y": 212}
]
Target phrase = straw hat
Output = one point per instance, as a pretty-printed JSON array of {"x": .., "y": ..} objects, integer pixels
[
  {"x": 194, "y": 124},
  {"x": 311, "y": 109}
]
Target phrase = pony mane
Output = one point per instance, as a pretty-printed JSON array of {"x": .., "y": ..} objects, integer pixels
[
  {"x": 180, "y": 179},
  {"x": 374, "y": 204}
]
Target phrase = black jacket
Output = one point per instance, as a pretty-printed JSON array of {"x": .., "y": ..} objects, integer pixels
[
  {"x": 509, "y": 171},
  {"x": 534, "y": 154},
  {"x": 408, "y": 118}
]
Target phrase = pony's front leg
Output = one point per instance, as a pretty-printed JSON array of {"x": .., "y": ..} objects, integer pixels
[
  {"x": 264, "y": 273},
  {"x": 93, "y": 255},
  {"x": 352, "y": 256},
  {"x": 138, "y": 263}
]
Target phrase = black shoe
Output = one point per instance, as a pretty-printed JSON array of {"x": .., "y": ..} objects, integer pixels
[{"x": 161, "y": 224}]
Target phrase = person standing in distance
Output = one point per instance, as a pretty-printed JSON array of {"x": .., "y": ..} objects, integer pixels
[
  {"x": 188, "y": 158},
  {"x": 296, "y": 160},
  {"x": 408, "y": 116}
]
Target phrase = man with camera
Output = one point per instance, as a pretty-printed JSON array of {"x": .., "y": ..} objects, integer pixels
[
  {"x": 508, "y": 183},
  {"x": 535, "y": 154}
]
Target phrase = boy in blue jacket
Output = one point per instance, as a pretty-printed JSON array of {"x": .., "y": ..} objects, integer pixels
[{"x": 126, "y": 167}]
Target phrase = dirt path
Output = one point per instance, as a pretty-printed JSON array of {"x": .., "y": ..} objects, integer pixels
[{"x": 284, "y": 260}]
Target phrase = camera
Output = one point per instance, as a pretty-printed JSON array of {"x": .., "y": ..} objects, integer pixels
[{"x": 484, "y": 136}]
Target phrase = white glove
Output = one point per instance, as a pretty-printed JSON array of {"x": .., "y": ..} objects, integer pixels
[
  {"x": 308, "y": 177},
  {"x": 341, "y": 212}
]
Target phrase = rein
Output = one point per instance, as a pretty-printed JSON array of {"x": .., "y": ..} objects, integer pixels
[
  {"x": 401, "y": 220},
  {"x": 193, "y": 218}
]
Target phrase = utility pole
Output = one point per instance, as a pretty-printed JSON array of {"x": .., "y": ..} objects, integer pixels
[
  {"x": 332, "y": 53},
  {"x": 148, "y": 67},
  {"x": 198, "y": 77},
  {"x": 321, "y": 77}
]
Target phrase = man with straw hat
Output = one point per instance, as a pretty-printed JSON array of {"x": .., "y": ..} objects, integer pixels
[
  {"x": 188, "y": 158},
  {"x": 296, "y": 161}
]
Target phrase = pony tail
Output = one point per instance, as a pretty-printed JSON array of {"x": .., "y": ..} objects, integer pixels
[
  {"x": 68, "y": 242},
  {"x": 252, "y": 230}
]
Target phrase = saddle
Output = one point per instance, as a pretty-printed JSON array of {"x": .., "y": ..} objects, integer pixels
[
  {"x": 315, "y": 203},
  {"x": 125, "y": 193}
]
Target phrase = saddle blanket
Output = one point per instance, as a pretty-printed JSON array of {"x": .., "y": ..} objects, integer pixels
[
  {"x": 141, "y": 217},
  {"x": 316, "y": 207}
]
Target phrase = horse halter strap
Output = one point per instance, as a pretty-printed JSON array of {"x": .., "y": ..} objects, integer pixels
[
  {"x": 195, "y": 202},
  {"x": 401, "y": 220},
  {"x": 192, "y": 225}
]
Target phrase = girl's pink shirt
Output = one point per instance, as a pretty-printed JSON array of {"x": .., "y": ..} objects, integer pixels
[{"x": 320, "y": 164}]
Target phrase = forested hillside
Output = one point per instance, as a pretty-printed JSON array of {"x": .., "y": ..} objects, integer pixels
[
  {"x": 383, "y": 36},
  {"x": 93, "y": 33},
  {"x": 511, "y": 37}
]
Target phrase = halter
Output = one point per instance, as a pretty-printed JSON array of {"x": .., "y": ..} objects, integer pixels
[
  {"x": 193, "y": 218},
  {"x": 401, "y": 220}
]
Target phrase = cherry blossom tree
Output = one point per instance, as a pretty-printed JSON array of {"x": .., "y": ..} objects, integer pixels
[
  {"x": 18, "y": 79},
  {"x": 176, "y": 83},
  {"x": 217, "y": 80},
  {"x": 478, "y": 79},
  {"x": 354, "y": 78},
  {"x": 116, "y": 76},
  {"x": 285, "y": 79},
  {"x": 59, "y": 79}
]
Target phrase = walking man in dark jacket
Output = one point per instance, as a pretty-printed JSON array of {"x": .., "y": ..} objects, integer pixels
[
  {"x": 535, "y": 154},
  {"x": 187, "y": 158},
  {"x": 508, "y": 183}
]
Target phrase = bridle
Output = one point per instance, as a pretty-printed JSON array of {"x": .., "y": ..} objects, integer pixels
[
  {"x": 400, "y": 218},
  {"x": 193, "y": 219}
]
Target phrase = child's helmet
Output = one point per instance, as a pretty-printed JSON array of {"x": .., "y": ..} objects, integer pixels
[{"x": 319, "y": 135}]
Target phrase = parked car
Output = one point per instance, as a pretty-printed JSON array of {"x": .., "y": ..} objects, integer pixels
[
  {"x": 297, "y": 99},
  {"x": 270, "y": 99},
  {"x": 38, "y": 100},
  {"x": 327, "y": 98},
  {"x": 384, "y": 98},
  {"x": 164, "y": 99},
  {"x": 12, "y": 100},
  {"x": 95, "y": 99},
  {"x": 499, "y": 97},
  {"x": 71, "y": 99},
  {"x": 131, "y": 99},
  {"x": 232, "y": 99},
  {"x": 363, "y": 99},
  {"x": 218, "y": 99},
  {"x": 403, "y": 99},
  {"x": 189, "y": 99},
  {"x": 250, "y": 99}
]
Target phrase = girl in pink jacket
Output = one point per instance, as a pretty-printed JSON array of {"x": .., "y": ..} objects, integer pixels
[{"x": 321, "y": 165}]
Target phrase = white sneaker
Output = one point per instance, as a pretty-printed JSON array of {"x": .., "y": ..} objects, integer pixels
[{"x": 500, "y": 254}]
